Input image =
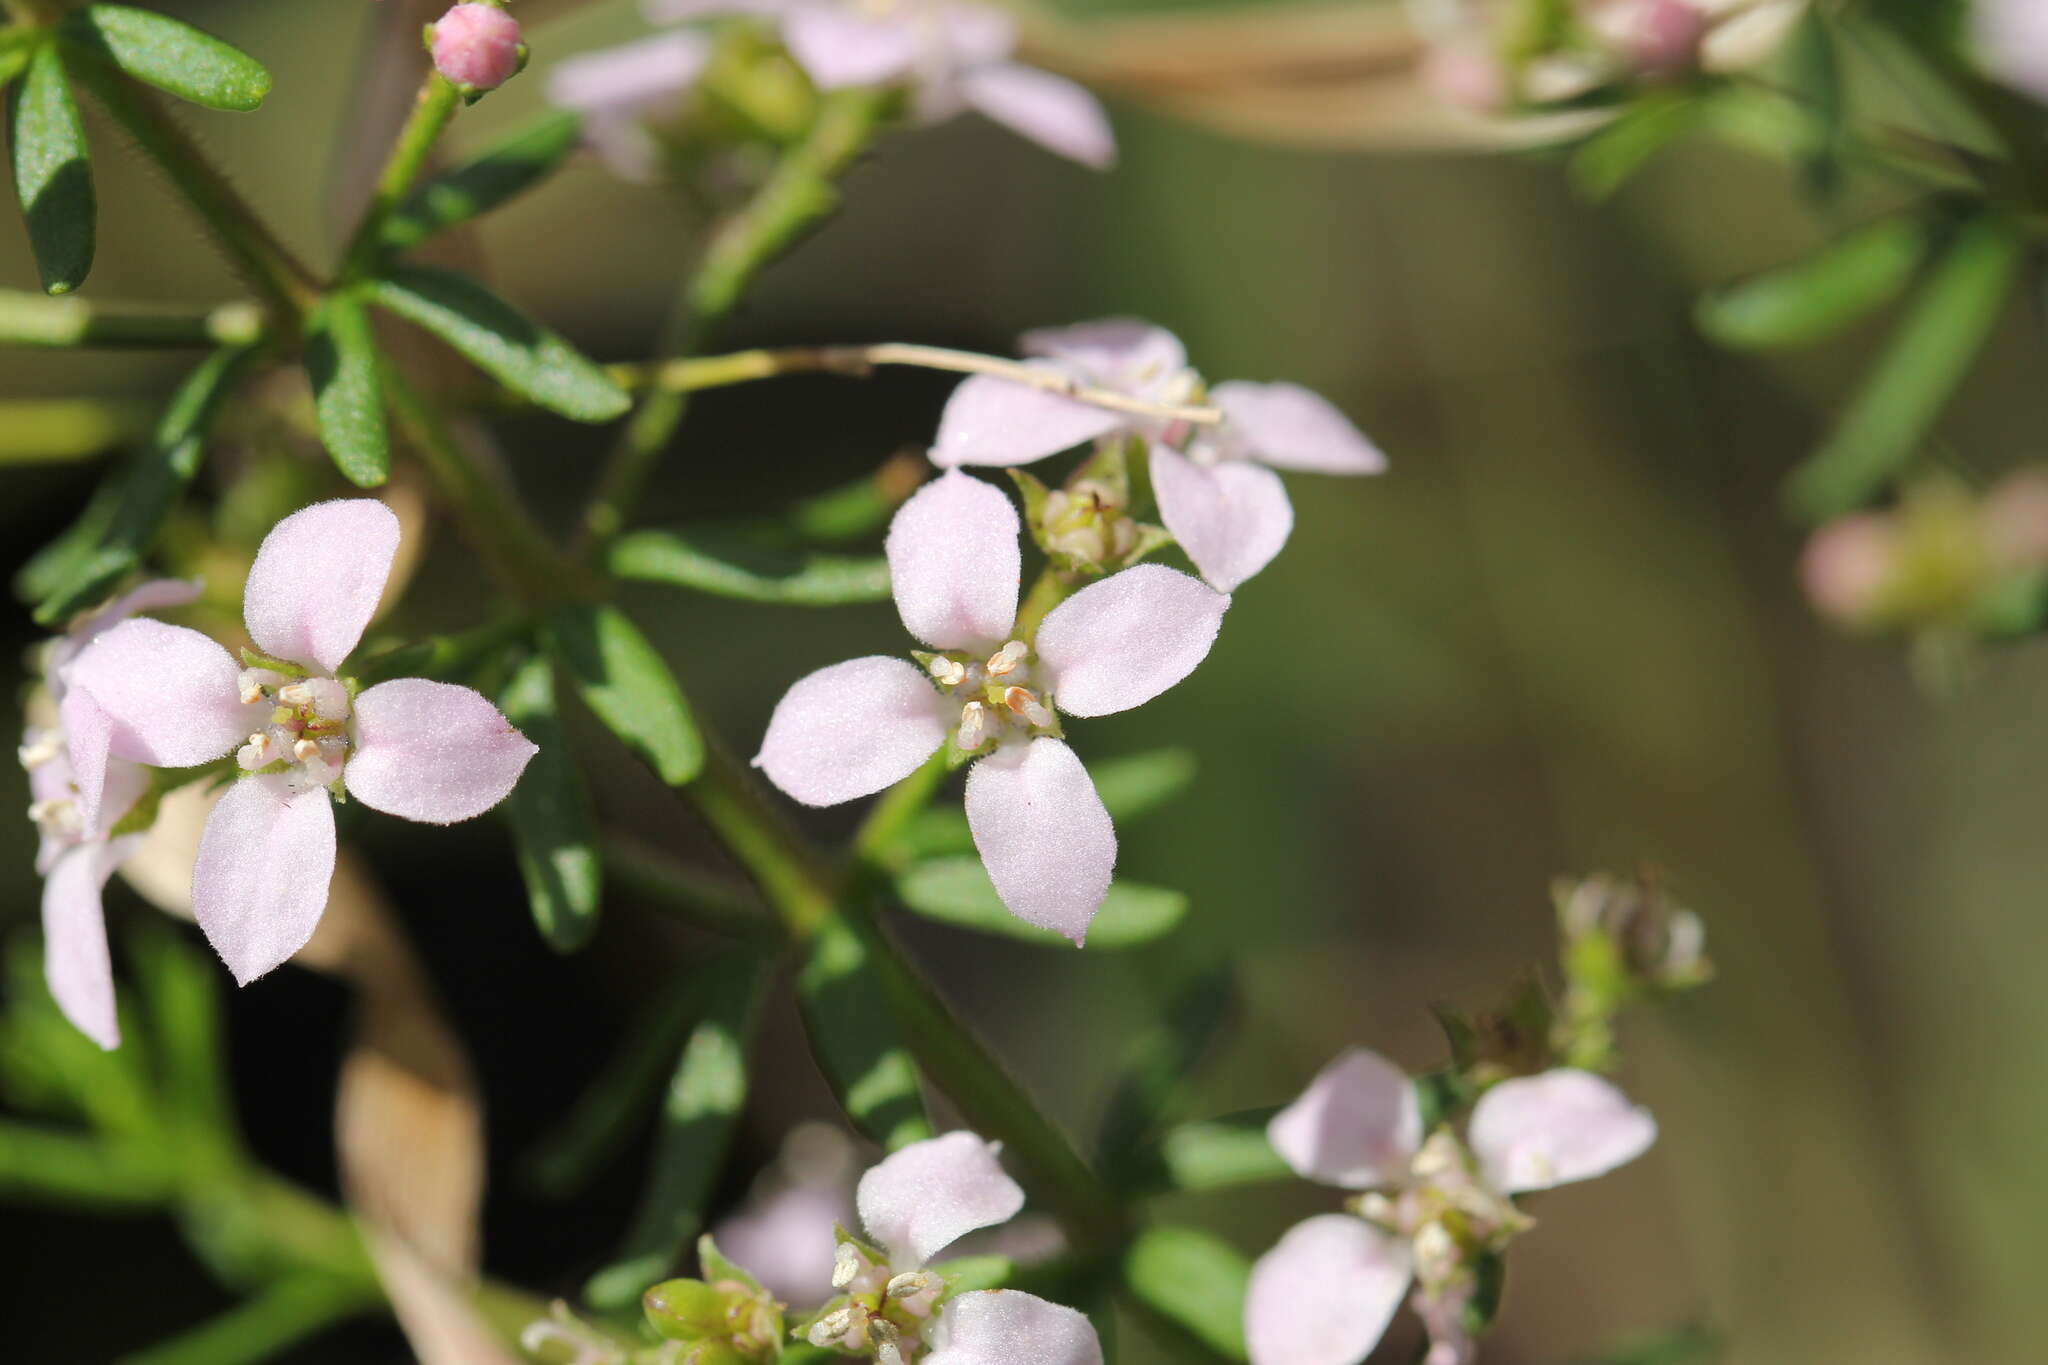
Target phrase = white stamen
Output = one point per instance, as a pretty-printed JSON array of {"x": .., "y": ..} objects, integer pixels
[
  {"x": 40, "y": 750},
  {"x": 298, "y": 694},
  {"x": 1026, "y": 704},
  {"x": 257, "y": 752},
  {"x": 973, "y": 726},
  {"x": 305, "y": 749},
  {"x": 1005, "y": 660},
  {"x": 846, "y": 1263},
  {"x": 949, "y": 672},
  {"x": 916, "y": 1292},
  {"x": 255, "y": 682}
]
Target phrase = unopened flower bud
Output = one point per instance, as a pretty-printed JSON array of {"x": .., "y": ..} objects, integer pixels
[
  {"x": 1655, "y": 37},
  {"x": 2015, "y": 520},
  {"x": 477, "y": 46},
  {"x": 685, "y": 1310},
  {"x": 1652, "y": 940},
  {"x": 1847, "y": 566}
]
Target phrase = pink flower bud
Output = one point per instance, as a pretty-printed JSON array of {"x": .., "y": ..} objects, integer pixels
[
  {"x": 2015, "y": 520},
  {"x": 1847, "y": 564},
  {"x": 477, "y": 46}
]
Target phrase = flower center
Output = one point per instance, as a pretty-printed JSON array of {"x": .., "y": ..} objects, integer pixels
[
  {"x": 884, "y": 1315},
  {"x": 306, "y": 735},
  {"x": 997, "y": 696}
]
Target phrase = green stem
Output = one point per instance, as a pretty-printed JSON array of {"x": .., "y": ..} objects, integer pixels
[
  {"x": 431, "y": 113},
  {"x": 254, "y": 249},
  {"x": 264, "y": 1324},
  {"x": 796, "y": 195},
  {"x": 789, "y": 875},
  {"x": 39, "y": 320},
  {"x": 884, "y": 828},
  {"x": 704, "y": 900}
]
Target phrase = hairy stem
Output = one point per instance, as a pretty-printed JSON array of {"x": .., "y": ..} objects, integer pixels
[{"x": 431, "y": 113}]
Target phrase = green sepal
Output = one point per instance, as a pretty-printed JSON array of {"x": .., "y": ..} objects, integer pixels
[
  {"x": 256, "y": 658},
  {"x": 717, "y": 1267},
  {"x": 1034, "y": 493}
]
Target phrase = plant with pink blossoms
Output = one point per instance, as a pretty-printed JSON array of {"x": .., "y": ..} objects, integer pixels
[
  {"x": 1436, "y": 1207},
  {"x": 301, "y": 736},
  {"x": 1215, "y": 485},
  {"x": 954, "y": 563}
]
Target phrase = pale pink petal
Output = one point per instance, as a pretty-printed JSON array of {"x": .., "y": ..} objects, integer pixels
[
  {"x": 260, "y": 881},
  {"x": 1288, "y": 427},
  {"x": 992, "y": 421},
  {"x": 1043, "y": 834},
  {"x": 682, "y": 11},
  {"x": 317, "y": 578},
  {"x": 170, "y": 694},
  {"x": 954, "y": 563},
  {"x": 1121, "y": 642},
  {"x": 433, "y": 752},
  {"x": 1357, "y": 1125},
  {"x": 1325, "y": 1293},
  {"x": 838, "y": 46},
  {"x": 975, "y": 35},
  {"x": 2012, "y": 42},
  {"x": 1129, "y": 355},
  {"x": 75, "y": 959},
  {"x": 1533, "y": 1132},
  {"x": 784, "y": 1239},
  {"x": 1010, "y": 1327},
  {"x": 852, "y": 729},
  {"x": 88, "y": 737},
  {"x": 152, "y": 595},
  {"x": 1231, "y": 518},
  {"x": 1052, "y": 111},
  {"x": 636, "y": 77},
  {"x": 923, "y": 1198}
]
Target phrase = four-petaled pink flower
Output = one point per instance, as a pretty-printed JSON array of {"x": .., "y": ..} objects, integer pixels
[
  {"x": 1326, "y": 1292},
  {"x": 77, "y": 851},
  {"x": 854, "y": 728},
  {"x": 1217, "y": 491},
  {"x": 170, "y": 697},
  {"x": 915, "y": 1204}
]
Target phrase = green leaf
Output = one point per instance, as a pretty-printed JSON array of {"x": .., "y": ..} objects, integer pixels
[
  {"x": 1612, "y": 156},
  {"x": 853, "y": 1036},
  {"x": 502, "y": 342},
  {"x": 554, "y": 831},
  {"x": 348, "y": 399},
  {"x": 1216, "y": 1153},
  {"x": 626, "y": 685},
  {"x": 1193, "y": 1279},
  {"x": 808, "y": 581},
  {"x": 266, "y": 1324},
  {"x": 1130, "y": 787},
  {"x": 1810, "y": 300},
  {"x": 180, "y": 990},
  {"x": 1922, "y": 366},
  {"x": 172, "y": 56},
  {"x": 856, "y": 510},
  {"x": 478, "y": 186},
  {"x": 149, "y": 488},
  {"x": 967, "y": 1274},
  {"x": 958, "y": 891},
  {"x": 1159, "y": 1065},
  {"x": 17, "y": 45},
  {"x": 705, "y": 1096},
  {"x": 48, "y": 567},
  {"x": 53, "y": 172},
  {"x": 44, "y": 1164}
]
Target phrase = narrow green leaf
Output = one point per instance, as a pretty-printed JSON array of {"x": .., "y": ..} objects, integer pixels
[
  {"x": 1195, "y": 1280},
  {"x": 1920, "y": 370},
  {"x": 149, "y": 487},
  {"x": 17, "y": 45},
  {"x": 807, "y": 581},
  {"x": 48, "y": 568},
  {"x": 266, "y": 1324},
  {"x": 39, "y": 1164},
  {"x": 705, "y": 1096},
  {"x": 1216, "y": 1153},
  {"x": 180, "y": 992},
  {"x": 624, "y": 682},
  {"x": 172, "y": 56},
  {"x": 853, "y": 1036},
  {"x": 516, "y": 351},
  {"x": 958, "y": 891},
  {"x": 855, "y": 511},
  {"x": 967, "y": 1274},
  {"x": 477, "y": 187},
  {"x": 554, "y": 831},
  {"x": 1130, "y": 787},
  {"x": 1829, "y": 291},
  {"x": 1612, "y": 156},
  {"x": 53, "y": 172},
  {"x": 1159, "y": 1065},
  {"x": 348, "y": 399}
]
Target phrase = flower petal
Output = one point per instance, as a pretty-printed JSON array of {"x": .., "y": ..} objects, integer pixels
[
  {"x": 975, "y": 34},
  {"x": 1129, "y": 355},
  {"x": 88, "y": 737},
  {"x": 1121, "y": 642},
  {"x": 317, "y": 578},
  {"x": 1357, "y": 1125},
  {"x": 1533, "y": 1132},
  {"x": 923, "y": 1198},
  {"x": 1231, "y": 518},
  {"x": 954, "y": 563},
  {"x": 1325, "y": 1293},
  {"x": 992, "y": 421},
  {"x": 633, "y": 78},
  {"x": 1043, "y": 834},
  {"x": 433, "y": 752},
  {"x": 784, "y": 1238},
  {"x": 260, "y": 881},
  {"x": 838, "y": 46},
  {"x": 170, "y": 694},
  {"x": 1289, "y": 427},
  {"x": 146, "y": 596},
  {"x": 1010, "y": 1327},
  {"x": 1052, "y": 111},
  {"x": 75, "y": 958},
  {"x": 852, "y": 729}
]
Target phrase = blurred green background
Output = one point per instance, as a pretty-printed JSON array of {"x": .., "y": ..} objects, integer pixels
[{"x": 1561, "y": 634}]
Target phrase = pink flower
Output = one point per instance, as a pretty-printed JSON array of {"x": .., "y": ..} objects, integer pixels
[
  {"x": 1216, "y": 487},
  {"x": 172, "y": 698},
  {"x": 854, "y": 728},
  {"x": 915, "y": 1204},
  {"x": 78, "y": 792},
  {"x": 477, "y": 47},
  {"x": 618, "y": 89},
  {"x": 1326, "y": 1292},
  {"x": 954, "y": 56},
  {"x": 2012, "y": 42}
]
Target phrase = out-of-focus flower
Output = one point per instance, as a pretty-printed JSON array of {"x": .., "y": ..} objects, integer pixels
[
  {"x": 783, "y": 1234},
  {"x": 619, "y": 91},
  {"x": 78, "y": 847},
  {"x": 477, "y": 47},
  {"x": 955, "y": 567},
  {"x": 1326, "y": 1292},
  {"x": 914, "y": 1205},
  {"x": 1216, "y": 487},
  {"x": 172, "y": 698},
  {"x": 2012, "y": 42}
]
